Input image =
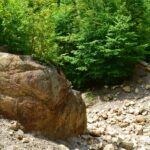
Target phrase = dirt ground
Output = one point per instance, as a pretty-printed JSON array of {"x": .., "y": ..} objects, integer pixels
[{"x": 118, "y": 119}]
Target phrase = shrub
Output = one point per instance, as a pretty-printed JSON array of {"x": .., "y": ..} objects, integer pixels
[{"x": 105, "y": 48}]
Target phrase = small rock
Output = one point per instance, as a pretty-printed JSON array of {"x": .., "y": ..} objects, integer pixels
[
  {"x": 100, "y": 145},
  {"x": 1, "y": 146},
  {"x": 122, "y": 85},
  {"x": 147, "y": 87},
  {"x": 119, "y": 112},
  {"x": 115, "y": 98},
  {"x": 141, "y": 109},
  {"x": 140, "y": 119},
  {"x": 111, "y": 131},
  {"x": 20, "y": 134},
  {"x": 114, "y": 87},
  {"x": 106, "y": 98},
  {"x": 127, "y": 89},
  {"x": 124, "y": 124},
  {"x": 127, "y": 145},
  {"x": 109, "y": 147},
  {"x": 91, "y": 147},
  {"x": 131, "y": 111},
  {"x": 97, "y": 124},
  {"x": 15, "y": 126},
  {"x": 95, "y": 118},
  {"x": 11, "y": 133},
  {"x": 15, "y": 147},
  {"x": 107, "y": 138},
  {"x": 20, "y": 137},
  {"x": 112, "y": 121},
  {"x": 130, "y": 129},
  {"x": 137, "y": 97},
  {"x": 84, "y": 95},
  {"x": 116, "y": 140},
  {"x": 119, "y": 118},
  {"x": 86, "y": 137},
  {"x": 146, "y": 130},
  {"x": 139, "y": 130},
  {"x": 145, "y": 113},
  {"x": 110, "y": 97},
  {"x": 105, "y": 116},
  {"x": 136, "y": 90},
  {"x": 98, "y": 132},
  {"x": 132, "y": 103},
  {"x": 25, "y": 140},
  {"x": 139, "y": 81},
  {"x": 90, "y": 120},
  {"x": 117, "y": 94},
  {"x": 128, "y": 120},
  {"x": 136, "y": 112},
  {"x": 62, "y": 147},
  {"x": 90, "y": 141},
  {"x": 128, "y": 103},
  {"x": 101, "y": 130},
  {"x": 106, "y": 87}
]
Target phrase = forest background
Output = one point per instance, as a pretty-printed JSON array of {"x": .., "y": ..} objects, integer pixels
[{"x": 92, "y": 41}]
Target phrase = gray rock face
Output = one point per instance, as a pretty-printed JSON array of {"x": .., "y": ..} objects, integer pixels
[{"x": 40, "y": 98}]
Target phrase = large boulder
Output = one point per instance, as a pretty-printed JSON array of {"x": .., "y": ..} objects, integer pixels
[{"x": 40, "y": 98}]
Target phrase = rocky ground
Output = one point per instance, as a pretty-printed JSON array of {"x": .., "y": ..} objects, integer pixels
[{"x": 118, "y": 119}]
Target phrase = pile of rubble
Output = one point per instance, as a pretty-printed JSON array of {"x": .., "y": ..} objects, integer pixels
[{"x": 123, "y": 127}]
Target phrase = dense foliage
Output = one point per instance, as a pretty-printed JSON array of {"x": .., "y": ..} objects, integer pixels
[{"x": 94, "y": 41}]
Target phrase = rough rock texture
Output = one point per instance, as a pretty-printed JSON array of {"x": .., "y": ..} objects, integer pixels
[{"x": 40, "y": 98}]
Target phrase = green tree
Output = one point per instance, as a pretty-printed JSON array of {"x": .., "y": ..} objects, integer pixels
[
  {"x": 13, "y": 25},
  {"x": 104, "y": 44}
]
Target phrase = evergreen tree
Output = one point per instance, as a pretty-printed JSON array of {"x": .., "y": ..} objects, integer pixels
[{"x": 91, "y": 40}]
